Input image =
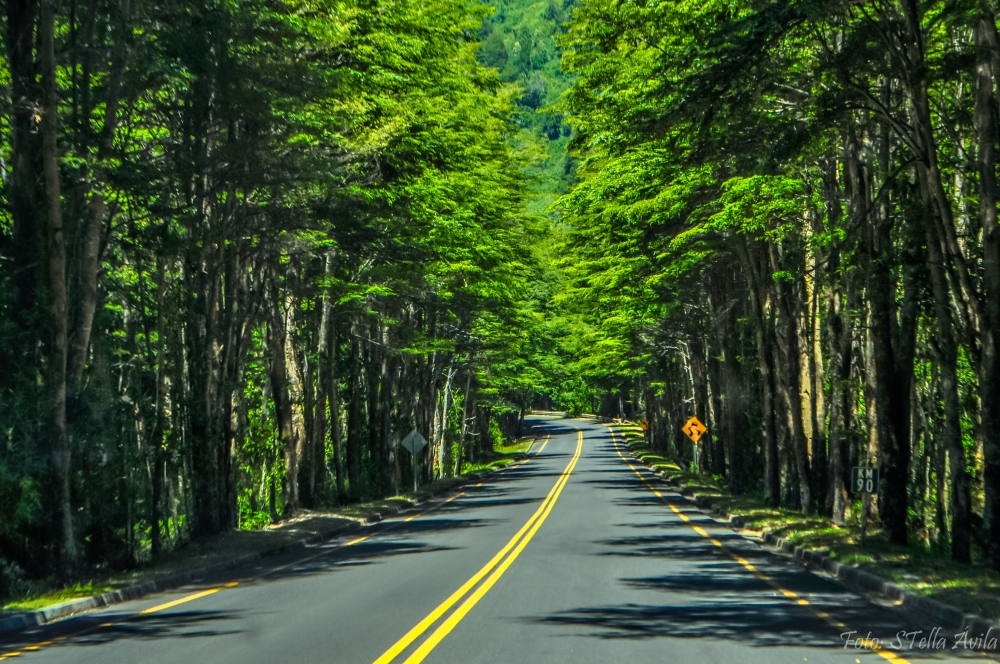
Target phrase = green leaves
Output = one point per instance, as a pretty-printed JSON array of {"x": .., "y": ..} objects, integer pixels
[{"x": 770, "y": 206}]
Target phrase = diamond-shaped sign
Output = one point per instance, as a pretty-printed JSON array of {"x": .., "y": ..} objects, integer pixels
[
  {"x": 413, "y": 442},
  {"x": 694, "y": 429}
]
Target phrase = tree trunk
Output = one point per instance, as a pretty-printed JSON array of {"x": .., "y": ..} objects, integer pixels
[
  {"x": 354, "y": 421},
  {"x": 26, "y": 208},
  {"x": 390, "y": 482},
  {"x": 788, "y": 381},
  {"x": 339, "y": 453},
  {"x": 700, "y": 380},
  {"x": 59, "y": 304},
  {"x": 466, "y": 398},
  {"x": 85, "y": 304},
  {"x": 279, "y": 392},
  {"x": 763, "y": 337},
  {"x": 951, "y": 433},
  {"x": 295, "y": 450},
  {"x": 839, "y": 337},
  {"x": 324, "y": 390},
  {"x": 442, "y": 420},
  {"x": 989, "y": 373},
  {"x": 157, "y": 440},
  {"x": 373, "y": 371}
]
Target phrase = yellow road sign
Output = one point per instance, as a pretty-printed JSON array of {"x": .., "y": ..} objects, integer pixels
[
  {"x": 694, "y": 429},
  {"x": 644, "y": 425}
]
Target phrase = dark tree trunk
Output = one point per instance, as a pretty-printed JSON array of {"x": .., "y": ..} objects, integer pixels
[
  {"x": 355, "y": 425},
  {"x": 951, "y": 433},
  {"x": 788, "y": 381},
  {"x": 390, "y": 483},
  {"x": 989, "y": 372},
  {"x": 26, "y": 206},
  {"x": 339, "y": 453},
  {"x": 722, "y": 438},
  {"x": 279, "y": 392},
  {"x": 839, "y": 337},
  {"x": 57, "y": 348},
  {"x": 373, "y": 373},
  {"x": 85, "y": 304},
  {"x": 755, "y": 267},
  {"x": 157, "y": 438}
]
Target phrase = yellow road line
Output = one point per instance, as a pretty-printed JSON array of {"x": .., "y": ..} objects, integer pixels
[
  {"x": 453, "y": 599},
  {"x": 801, "y": 601},
  {"x": 212, "y": 591},
  {"x": 445, "y": 628},
  {"x": 184, "y": 600}
]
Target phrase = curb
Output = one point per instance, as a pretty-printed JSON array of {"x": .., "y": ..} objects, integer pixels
[
  {"x": 915, "y": 606},
  {"x": 41, "y": 617}
]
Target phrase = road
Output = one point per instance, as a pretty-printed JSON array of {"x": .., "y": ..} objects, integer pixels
[{"x": 575, "y": 555}]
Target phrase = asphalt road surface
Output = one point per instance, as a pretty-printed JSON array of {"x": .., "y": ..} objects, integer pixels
[{"x": 576, "y": 555}]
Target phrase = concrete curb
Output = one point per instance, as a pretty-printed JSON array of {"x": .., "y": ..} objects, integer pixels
[
  {"x": 919, "y": 607},
  {"x": 41, "y": 617}
]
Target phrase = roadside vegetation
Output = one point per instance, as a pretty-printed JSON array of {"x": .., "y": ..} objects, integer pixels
[
  {"x": 786, "y": 226},
  {"x": 245, "y": 248},
  {"x": 223, "y": 547}
]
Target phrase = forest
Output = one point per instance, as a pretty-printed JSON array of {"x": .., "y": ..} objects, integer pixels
[
  {"x": 786, "y": 225},
  {"x": 247, "y": 246}
]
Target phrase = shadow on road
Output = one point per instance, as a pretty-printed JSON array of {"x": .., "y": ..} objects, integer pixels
[
  {"x": 698, "y": 591},
  {"x": 526, "y": 484}
]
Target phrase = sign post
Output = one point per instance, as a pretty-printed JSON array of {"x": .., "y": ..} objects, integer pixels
[
  {"x": 414, "y": 442},
  {"x": 864, "y": 480},
  {"x": 694, "y": 430}
]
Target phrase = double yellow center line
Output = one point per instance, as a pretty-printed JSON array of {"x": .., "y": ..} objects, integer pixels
[{"x": 495, "y": 568}]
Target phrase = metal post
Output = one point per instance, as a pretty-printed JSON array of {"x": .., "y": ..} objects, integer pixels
[
  {"x": 414, "y": 455},
  {"x": 864, "y": 518}
]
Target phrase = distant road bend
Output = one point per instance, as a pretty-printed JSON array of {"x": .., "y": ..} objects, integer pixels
[{"x": 576, "y": 554}]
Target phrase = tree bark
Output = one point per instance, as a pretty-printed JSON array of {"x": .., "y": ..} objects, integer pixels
[
  {"x": 157, "y": 438},
  {"x": 372, "y": 373},
  {"x": 985, "y": 117},
  {"x": 324, "y": 390},
  {"x": 58, "y": 297},
  {"x": 282, "y": 402},
  {"x": 339, "y": 453},
  {"x": 354, "y": 420},
  {"x": 390, "y": 483},
  {"x": 27, "y": 209},
  {"x": 90, "y": 259},
  {"x": 788, "y": 381},
  {"x": 951, "y": 433},
  {"x": 839, "y": 337},
  {"x": 763, "y": 337},
  {"x": 295, "y": 450}
]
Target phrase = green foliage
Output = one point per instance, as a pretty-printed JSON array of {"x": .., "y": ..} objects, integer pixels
[
  {"x": 518, "y": 40},
  {"x": 290, "y": 190}
]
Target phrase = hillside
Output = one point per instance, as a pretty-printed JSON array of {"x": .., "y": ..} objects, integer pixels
[{"x": 519, "y": 41}]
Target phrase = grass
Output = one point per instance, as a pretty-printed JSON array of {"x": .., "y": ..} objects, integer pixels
[
  {"x": 59, "y": 597},
  {"x": 918, "y": 567},
  {"x": 501, "y": 456}
]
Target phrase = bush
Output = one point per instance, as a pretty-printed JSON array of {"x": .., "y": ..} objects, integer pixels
[{"x": 12, "y": 581}]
